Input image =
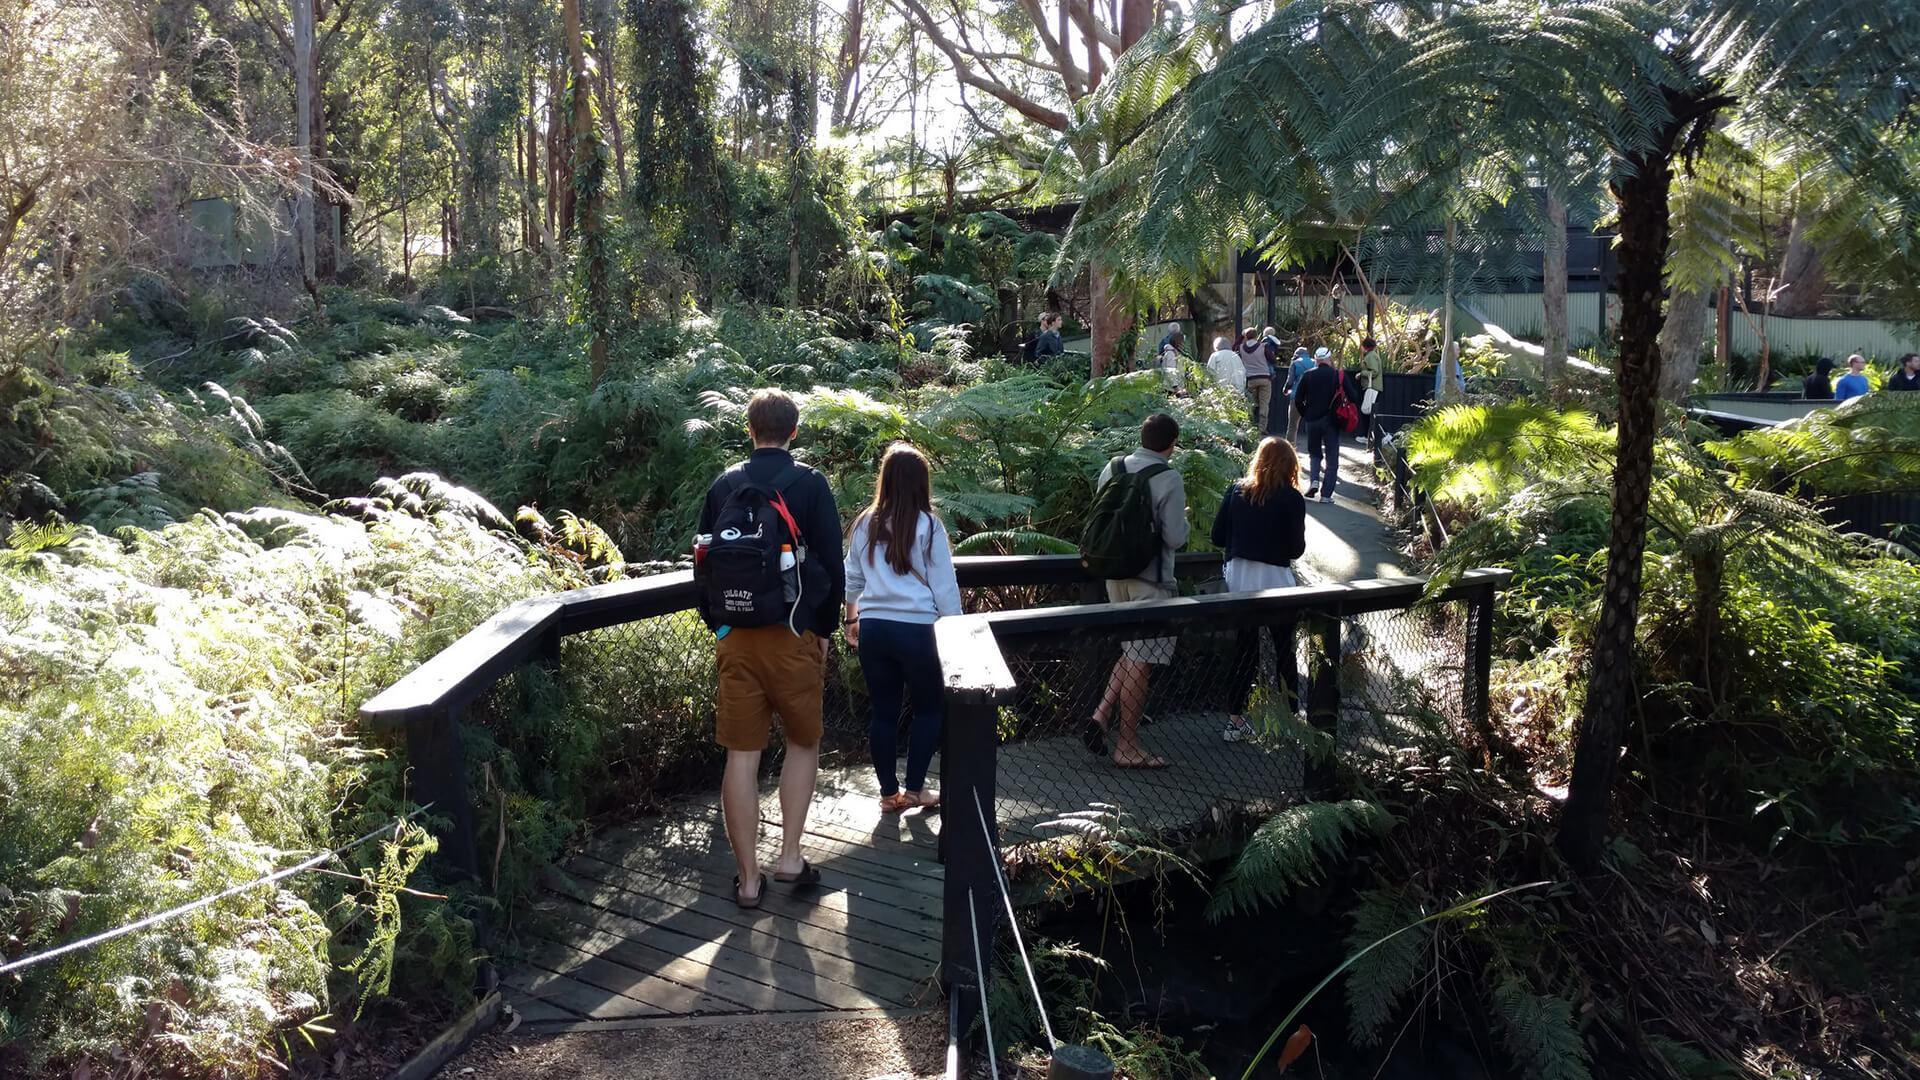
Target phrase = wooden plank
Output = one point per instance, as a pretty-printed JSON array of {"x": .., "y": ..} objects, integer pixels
[
  {"x": 534, "y": 1011},
  {"x": 460, "y": 672},
  {"x": 634, "y": 944},
  {"x": 448, "y": 1044},
  {"x": 675, "y": 907},
  {"x": 539, "y": 984},
  {"x": 879, "y": 912},
  {"x": 857, "y": 965},
  {"x": 581, "y": 962},
  {"x": 631, "y": 600}
]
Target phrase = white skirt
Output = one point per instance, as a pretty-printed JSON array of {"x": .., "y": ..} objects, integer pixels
[{"x": 1247, "y": 575}]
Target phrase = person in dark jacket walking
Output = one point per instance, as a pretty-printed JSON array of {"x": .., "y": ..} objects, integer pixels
[
  {"x": 1314, "y": 402},
  {"x": 1908, "y": 377},
  {"x": 1818, "y": 386},
  {"x": 1262, "y": 526}
]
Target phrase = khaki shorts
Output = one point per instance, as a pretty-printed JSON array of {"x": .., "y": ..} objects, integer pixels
[
  {"x": 765, "y": 671},
  {"x": 1146, "y": 650}
]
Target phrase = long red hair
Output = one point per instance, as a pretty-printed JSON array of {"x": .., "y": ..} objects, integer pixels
[
  {"x": 1274, "y": 465},
  {"x": 905, "y": 491}
]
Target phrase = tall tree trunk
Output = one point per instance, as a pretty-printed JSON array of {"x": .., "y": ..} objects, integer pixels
[
  {"x": 1553, "y": 292},
  {"x": 1803, "y": 275},
  {"x": 325, "y": 258},
  {"x": 1110, "y": 320},
  {"x": 1446, "y": 294},
  {"x": 303, "y": 140},
  {"x": 587, "y": 169},
  {"x": 1644, "y": 227},
  {"x": 1680, "y": 341}
]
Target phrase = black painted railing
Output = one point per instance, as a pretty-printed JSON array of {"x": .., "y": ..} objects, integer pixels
[
  {"x": 1381, "y": 663},
  {"x": 431, "y": 703}
]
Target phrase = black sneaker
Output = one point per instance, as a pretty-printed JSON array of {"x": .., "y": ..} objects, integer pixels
[{"x": 1312, "y": 491}]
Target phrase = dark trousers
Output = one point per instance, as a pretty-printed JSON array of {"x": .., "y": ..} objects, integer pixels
[
  {"x": 1246, "y": 665},
  {"x": 899, "y": 662},
  {"x": 1323, "y": 443}
]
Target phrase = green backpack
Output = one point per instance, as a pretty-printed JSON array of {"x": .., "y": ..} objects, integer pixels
[{"x": 1122, "y": 537}]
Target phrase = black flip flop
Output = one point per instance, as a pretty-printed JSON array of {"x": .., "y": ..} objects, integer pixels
[
  {"x": 809, "y": 875},
  {"x": 1094, "y": 738},
  {"x": 743, "y": 903}
]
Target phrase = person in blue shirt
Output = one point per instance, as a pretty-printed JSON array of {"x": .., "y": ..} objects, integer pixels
[
  {"x": 1302, "y": 363},
  {"x": 1854, "y": 383}
]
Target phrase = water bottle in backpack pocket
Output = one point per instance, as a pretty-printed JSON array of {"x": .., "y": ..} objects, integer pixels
[{"x": 752, "y": 572}]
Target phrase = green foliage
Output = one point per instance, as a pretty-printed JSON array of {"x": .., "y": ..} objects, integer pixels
[
  {"x": 1870, "y": 444},
  {"x": 1379, "y": 980},
  {"x": 1289, "y": 851},
  {"x": 1538, "y": 1032}
]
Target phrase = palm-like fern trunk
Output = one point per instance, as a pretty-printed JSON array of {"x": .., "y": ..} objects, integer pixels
[{"x": 1644, "y": 223}]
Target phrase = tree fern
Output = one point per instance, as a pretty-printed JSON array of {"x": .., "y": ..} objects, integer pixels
[
  {"x": 1538, "y": 1032},
  {"x": 1288, "y": 851},
  {"x": 1380, "y": 979}
]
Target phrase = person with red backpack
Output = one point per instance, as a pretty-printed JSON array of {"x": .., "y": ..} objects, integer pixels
[
  {"x": 1138, "y": 520},
  {"x": 1325, "y": 404},
  {"x": 767, "y": 560}
]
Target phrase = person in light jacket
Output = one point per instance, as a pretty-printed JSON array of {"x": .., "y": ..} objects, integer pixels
[
  {"x": 1226, "y": 367},
  {"x": 899, "y": 580}
]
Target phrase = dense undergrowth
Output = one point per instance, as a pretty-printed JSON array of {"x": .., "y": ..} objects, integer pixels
[{"x": 210, "y": 570}]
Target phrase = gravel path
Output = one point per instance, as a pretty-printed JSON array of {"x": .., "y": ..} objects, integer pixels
[{"x": 861, "y": 1049}]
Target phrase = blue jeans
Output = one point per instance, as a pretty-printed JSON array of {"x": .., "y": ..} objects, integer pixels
[
  {"x": 899, "y": 663},
  {"x": 1323, "y": 442}
]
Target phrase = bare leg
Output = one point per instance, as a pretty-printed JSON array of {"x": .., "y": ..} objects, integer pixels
[
  {"x": 740, "y": 805},
  {"x": 1132, "y": 703},
  {"x": 1103, "y": 714},
  {"x": 797, "y": 774}
]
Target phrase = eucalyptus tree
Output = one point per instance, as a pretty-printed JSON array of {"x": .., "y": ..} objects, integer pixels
[{"x": 1322, "y": 88}]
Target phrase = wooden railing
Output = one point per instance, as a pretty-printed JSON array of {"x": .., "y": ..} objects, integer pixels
[
  {"x": 980, "y": 683},
  {"x": 429, "y": 704}
]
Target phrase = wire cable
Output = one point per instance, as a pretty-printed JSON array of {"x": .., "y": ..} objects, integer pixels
[
  {"x": 174, "y": 913},
  {"x": 980, "y": 977},
  {"x": 1013, "y": 923}
]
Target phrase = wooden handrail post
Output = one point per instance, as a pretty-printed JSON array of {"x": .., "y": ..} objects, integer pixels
[
  {"x": 437, "y": 774},
  {"x": 1323, "y": 697},
  {"x": 977, "y": 681},
  {"x": 1479, "y": 665}
]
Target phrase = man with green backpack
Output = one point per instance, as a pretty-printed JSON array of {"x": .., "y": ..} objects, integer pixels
[{"x": 1138, "y": 520}]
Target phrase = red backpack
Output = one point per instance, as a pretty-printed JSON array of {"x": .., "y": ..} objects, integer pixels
[{"x": 1345, "y": 413}]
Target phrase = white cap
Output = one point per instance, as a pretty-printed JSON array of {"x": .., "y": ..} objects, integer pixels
[{"x": 1323, "y": 353}]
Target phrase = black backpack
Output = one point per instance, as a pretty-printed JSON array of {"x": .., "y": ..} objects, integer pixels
[
  {"x": 1122, "y": 537},
  {"x": 745, "y": 578}
]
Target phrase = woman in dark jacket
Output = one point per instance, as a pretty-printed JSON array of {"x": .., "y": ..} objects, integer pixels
[{"x": 1262, "y": 525}]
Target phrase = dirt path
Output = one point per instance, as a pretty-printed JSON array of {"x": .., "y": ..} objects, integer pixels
[{"x": 784, "y": 1049}]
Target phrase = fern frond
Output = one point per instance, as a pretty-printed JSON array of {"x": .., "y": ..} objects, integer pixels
[
  {"x": 1539, "y": 1033},
  {"x": 1287, "y": 851},
  {"x": 1381, "y": 978}
]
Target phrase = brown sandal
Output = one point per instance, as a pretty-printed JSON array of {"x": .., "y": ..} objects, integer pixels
[{"x": 896, "y": 802}]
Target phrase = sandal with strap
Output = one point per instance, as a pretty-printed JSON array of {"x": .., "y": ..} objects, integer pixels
[
  {"x": 895, "y": 803},
  {"x": 809, "y": 875},
  {"x": 744, "y": 903}
]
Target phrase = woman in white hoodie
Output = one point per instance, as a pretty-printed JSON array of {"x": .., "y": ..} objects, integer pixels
[{"x": 899, "y": 580}]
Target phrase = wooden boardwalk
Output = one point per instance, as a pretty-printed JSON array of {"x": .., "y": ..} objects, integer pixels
[{"x": 641, "y": 925}]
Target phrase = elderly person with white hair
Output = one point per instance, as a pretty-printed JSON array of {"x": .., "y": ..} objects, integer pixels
[{"x": 1225, "y": 366}]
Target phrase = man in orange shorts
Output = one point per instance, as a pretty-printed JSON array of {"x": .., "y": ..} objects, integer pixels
[{"x": 768, "y": 556}]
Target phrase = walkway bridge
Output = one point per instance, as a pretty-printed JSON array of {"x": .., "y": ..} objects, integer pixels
[{"x": 639, "y": 925}]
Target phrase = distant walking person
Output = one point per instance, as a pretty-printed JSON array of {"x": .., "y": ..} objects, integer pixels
[
  {"x": 1167, "y": 359},
  {"x": 1256, "y": 359},
  {"x": 1314, "y": 401},
  {"x": 1854, "y": 383},
  {"x": 1224, "y": 365},
  {"x": 1817, "y": 386},
  {"x": 1296, "y": 371},
  {"x": 1262, "y": 526},
  {"x": 768, "y": 559},
  {"x": 1908, "y": 377},
  {"x": 1139, "y": 519},
  {"x": 899, "y": 580},
  {"x": 1046, "y": 341}
]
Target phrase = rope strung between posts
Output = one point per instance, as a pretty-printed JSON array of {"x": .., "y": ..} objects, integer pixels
[
  {"x": 1013, "y": 923},
  {"x": 188, "y": 908},
  {"x": 980, "y": 977}
]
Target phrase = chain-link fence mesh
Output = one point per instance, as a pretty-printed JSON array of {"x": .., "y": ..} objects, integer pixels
[{"x": 1070, "y": 760}]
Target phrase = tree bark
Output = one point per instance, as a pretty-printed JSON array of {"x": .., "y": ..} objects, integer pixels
[
  {"x": 303, "y": 17},
  {"x": 1553, "y": 292},
  {"x": 586, "y": 212},
  {"x": 1680, "y": 339},
  {"x": 1803, "y": 275},
  {"x": 1644, "y": 233}
]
